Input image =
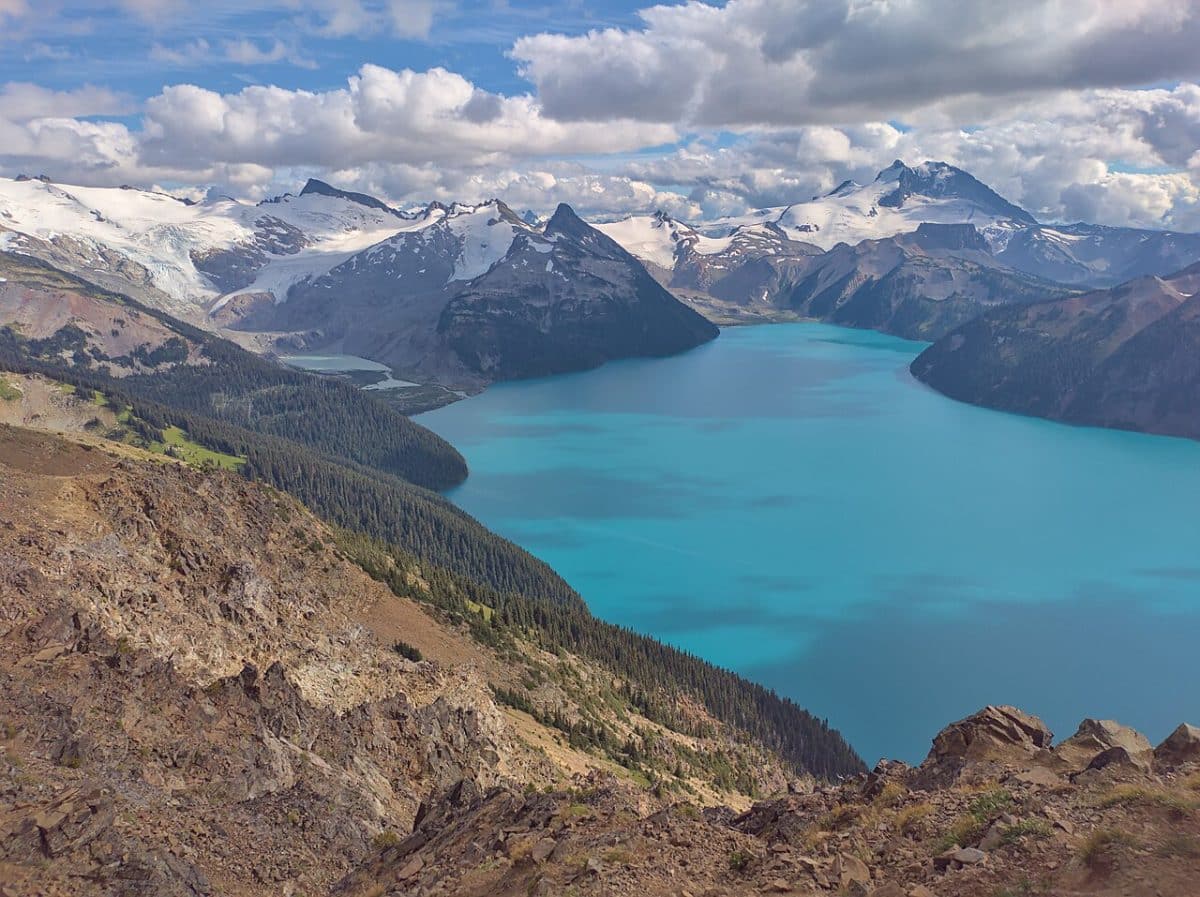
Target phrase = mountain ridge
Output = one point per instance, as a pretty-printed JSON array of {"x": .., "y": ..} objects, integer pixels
[{"x": 1124, "y": 357}]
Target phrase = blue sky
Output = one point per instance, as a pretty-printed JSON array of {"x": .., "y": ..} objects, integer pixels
[
  {"x": 1088, "y": 110},
  {"x": 106, "y": 43}
]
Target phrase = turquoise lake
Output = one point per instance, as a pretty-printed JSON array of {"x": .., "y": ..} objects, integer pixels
[{"x": 788, "y": 502}]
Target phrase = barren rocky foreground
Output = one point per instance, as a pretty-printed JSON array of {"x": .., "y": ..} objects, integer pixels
[{"x": 201, "y": 695}]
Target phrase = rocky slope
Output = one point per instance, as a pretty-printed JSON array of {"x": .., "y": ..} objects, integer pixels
[
  {"x": 994, "y": 811},
  {"x": 204, "y": 695},
  {"x": 1128, "y": 357}
]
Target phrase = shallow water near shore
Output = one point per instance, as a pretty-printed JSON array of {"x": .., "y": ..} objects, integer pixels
[{"x": 788, "y": 502}]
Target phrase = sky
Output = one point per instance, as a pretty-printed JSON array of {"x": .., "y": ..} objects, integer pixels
[{"x": 1075, "y": 109}]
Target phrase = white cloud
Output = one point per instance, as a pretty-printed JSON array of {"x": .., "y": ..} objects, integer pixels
[
  {"x": 341, "y": 18},
  {"x": 199, "y": 52},
  {"x": 401, "y": 116},
  {"x": 1035, "y": 97},
  {"x": 795, "y": 62},
  {"x": 24, "y": 102}
]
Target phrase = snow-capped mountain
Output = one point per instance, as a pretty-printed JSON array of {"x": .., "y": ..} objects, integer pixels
[
  {"x": 1091, "y": 255},
  {"x": 895, "y": 202},
  {"x": 464, "y": 294},
  {"x": 475, "y": 291},
  {"x": 330, "y": 269},
  {"x": 747, "y": 266},
  {"x": 190, "y": 254},
  {"x": 899, "y": 246}
]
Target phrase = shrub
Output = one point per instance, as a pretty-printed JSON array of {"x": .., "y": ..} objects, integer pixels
[
  {"x": 1101, "y": 844},
  {"x": 407, "y": 651},
  {"x": 739, "y": 860},
  {"x": 1031, "y": 828},
  {"x": 385, "y": 839}
]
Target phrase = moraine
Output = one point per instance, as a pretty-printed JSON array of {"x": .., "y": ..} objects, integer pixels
[{"x": 787, "y": 501}]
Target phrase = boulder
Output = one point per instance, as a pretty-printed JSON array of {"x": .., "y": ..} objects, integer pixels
[
  {"x": 1098, "y": 736},
  {"x": 849, "y": 870},
  {"x": 885, "y": 771},
  {"x": 1120, "y": 758},
  {"x": 1181, "y": 746},
  {"x": 542, "y": 849},
  {"x": 957, "y": 857},
  {"x": 1001, "y": 734}
]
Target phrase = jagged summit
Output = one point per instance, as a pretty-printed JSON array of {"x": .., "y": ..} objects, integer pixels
[{"x": 940, "y": 180}]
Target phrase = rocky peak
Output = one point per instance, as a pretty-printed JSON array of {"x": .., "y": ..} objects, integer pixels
[
  {"x": 564, "y": 221},
  {"x": 846, "y": 187},
  {"x": 320, "y": 188},
  {"x": 940, "y": 180}
]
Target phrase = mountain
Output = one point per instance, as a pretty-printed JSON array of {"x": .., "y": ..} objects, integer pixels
[
  {"x": 917, "y": 285},
  {"x": 906, "y": 254},
  {"x": 474, "y": 294},
  {"x": 732, "y": 277},
  {"x": 1091, "y": 255},
  {"x": 1126, "y": 357},
  {"x": 895, "y": 202},
  {"x": 320, "y": 188},
  {"x": 567, "y": 299},
  {"x": 335, "y": 270},
  {"x": 915, "y": 252}
]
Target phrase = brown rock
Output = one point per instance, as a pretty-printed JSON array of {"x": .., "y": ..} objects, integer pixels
[
  {"x": 542, "y": 849},
  {"x": 994, "y": 734},
  {"x": 411, "y": 868},
  {"x": 779, "y": 886},
  {"x": 1181, "y": 746},
  {"x": 919, "y": 891},
  {"x": 848, "y": 869},
  {"x": 1119, "y": 757},
  {"x": 1096, "y": 736},
  {"x": 889, "y": 890}
]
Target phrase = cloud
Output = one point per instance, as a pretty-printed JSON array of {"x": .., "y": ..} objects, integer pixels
[
  {"x": 199, "y": 52},
  {"x": 1110, "y": 155},
  {"x": 23, "y": 102},
  {"x": 787, "y": 63},
  {"x": 381, "y": 115},
  {"x": 13, "y": 9},
  {"x": 780, "y": 100},
  {"x": 341, "y": 18}
]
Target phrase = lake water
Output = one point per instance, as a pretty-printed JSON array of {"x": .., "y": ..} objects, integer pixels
[{"x": 788, "y": 502}]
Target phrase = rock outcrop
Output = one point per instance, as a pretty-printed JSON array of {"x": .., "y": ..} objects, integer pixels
[
  {"x": 1180, "y": 747},
  {"x": 1097, "y": 737}
]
